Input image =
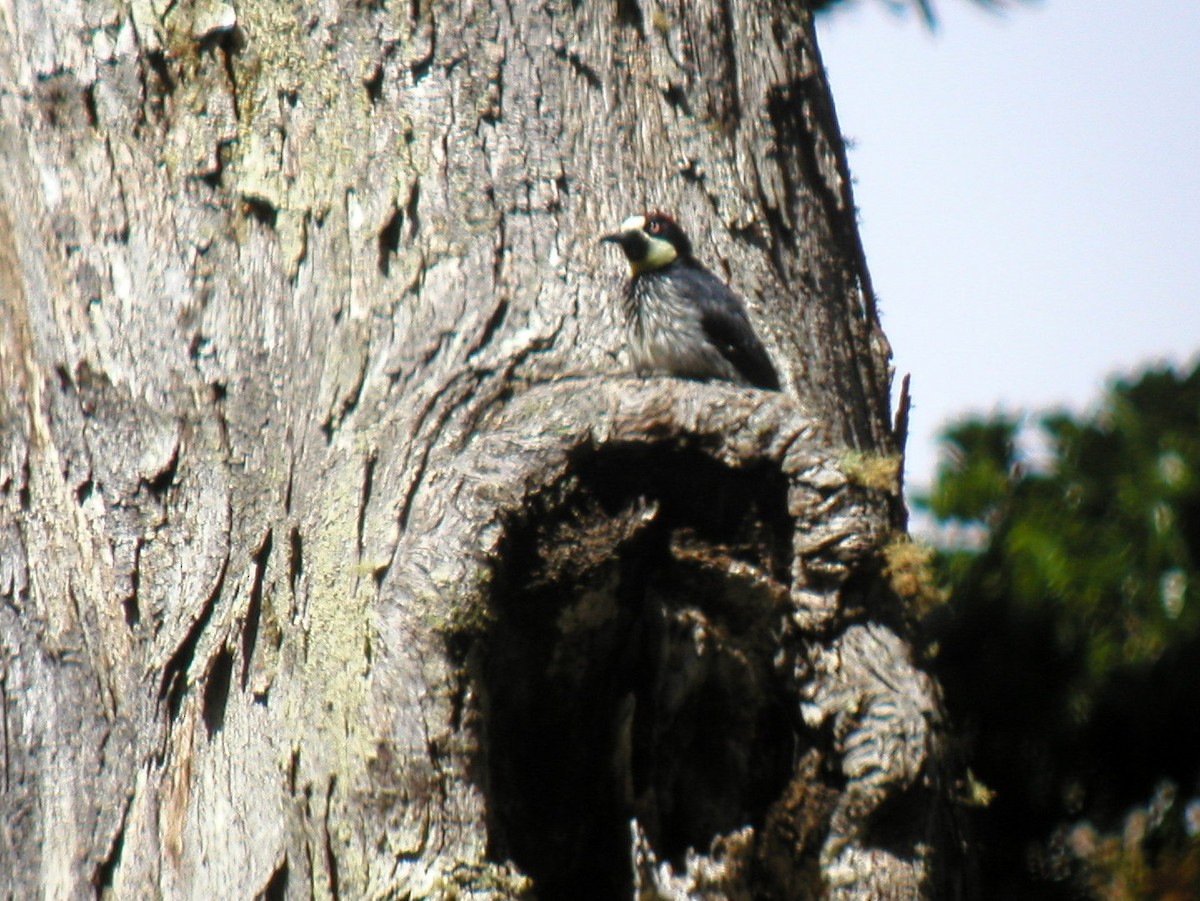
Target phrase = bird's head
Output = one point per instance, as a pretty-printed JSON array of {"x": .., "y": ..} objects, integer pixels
[{"x": 650, "y": 242}]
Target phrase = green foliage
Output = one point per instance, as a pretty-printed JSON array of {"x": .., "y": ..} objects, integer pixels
[
  {"x": 923, "y": 8},
  {"x": 1070, "y": 650},
  {"x": 973, "y": 478}
]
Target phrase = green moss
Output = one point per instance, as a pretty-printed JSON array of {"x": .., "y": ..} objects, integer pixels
[
  {"x": 469, "y": 617},
  {"x": 975, "y": 793},
  {"x": 878, "y": 472},
  {"x": 908, "y": 568},
  {"x": 493, "y": 881}
]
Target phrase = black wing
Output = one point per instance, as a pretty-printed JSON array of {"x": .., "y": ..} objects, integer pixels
[{"x": 727, "y": 326}]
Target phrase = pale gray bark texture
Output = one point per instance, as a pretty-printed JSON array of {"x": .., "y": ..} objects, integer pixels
[{"x": 339, "y": 554}]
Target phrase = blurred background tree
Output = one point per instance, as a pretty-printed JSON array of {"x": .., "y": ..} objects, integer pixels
[
  {"x": 1070, "y": 647},
  {"x": 923, "y": 8}
]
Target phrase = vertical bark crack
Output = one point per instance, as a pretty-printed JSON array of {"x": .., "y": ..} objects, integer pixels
[
  {"x": 216, "y": 691},
  {"x": 368, "y": 479},
  {"x": 276, "y": 887},
  {"x": 106, "y": 869},
  {"x": 331, "y": 863},
  {"x": 4, "y": 733},
  {"x": 174, "y": 681},
  {"x": 254, "y": 605}
]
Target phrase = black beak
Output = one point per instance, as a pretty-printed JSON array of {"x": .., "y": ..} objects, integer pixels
[{"x": 614, "y": 238}]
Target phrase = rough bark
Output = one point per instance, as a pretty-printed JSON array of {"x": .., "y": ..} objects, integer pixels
[{"x": 339, "y": 556}]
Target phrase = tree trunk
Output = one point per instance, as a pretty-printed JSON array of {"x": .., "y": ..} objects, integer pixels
[{"x": 341, "y": 556}]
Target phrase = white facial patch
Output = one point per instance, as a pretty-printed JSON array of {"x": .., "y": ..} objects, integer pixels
[{"x": 659, "y": 252}]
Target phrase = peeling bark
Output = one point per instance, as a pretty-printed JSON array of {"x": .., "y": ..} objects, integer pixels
[{"x": 339, "y": 554}]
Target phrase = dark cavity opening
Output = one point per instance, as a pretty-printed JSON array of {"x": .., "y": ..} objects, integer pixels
[
  {"x": 628, "y": 670},
  {"x": 260, "y": 209},
  {"x": 216, "y": 692}
]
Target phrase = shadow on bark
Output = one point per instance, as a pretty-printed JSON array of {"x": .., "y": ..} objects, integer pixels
[{"x": 632, "y": 667}]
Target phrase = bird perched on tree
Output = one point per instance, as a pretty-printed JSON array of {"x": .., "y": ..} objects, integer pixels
[{"x": 683, "y": 320}]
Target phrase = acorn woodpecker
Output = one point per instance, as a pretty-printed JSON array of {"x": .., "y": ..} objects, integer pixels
[{"x": 682, "y": 319}]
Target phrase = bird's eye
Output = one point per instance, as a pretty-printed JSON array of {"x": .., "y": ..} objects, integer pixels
[{"x": 654, "y": 226}]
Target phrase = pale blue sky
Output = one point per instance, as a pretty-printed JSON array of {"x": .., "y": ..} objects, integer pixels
[{"x": 1029, "y": 194}]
